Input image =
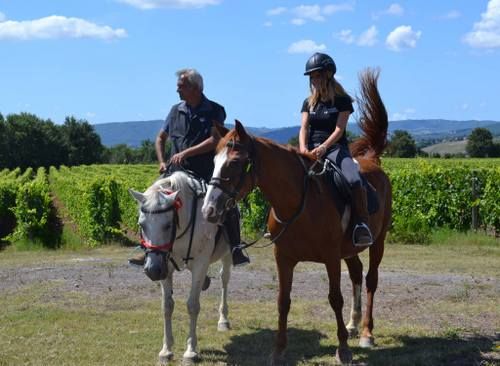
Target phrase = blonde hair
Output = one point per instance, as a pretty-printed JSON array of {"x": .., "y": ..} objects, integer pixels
[{"x": 329, "y": 88}]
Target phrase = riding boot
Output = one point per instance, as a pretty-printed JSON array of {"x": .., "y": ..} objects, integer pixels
[
  {"x": 138, "y": 259},
  {"x": 232, "y": 226},
  {"x": 361, "y": 235}
]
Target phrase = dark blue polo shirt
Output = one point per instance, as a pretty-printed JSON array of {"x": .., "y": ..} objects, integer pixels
[{"x": 188, "y": 127}]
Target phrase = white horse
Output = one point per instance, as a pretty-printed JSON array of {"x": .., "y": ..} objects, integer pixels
[{"x": 176, "y": 235}]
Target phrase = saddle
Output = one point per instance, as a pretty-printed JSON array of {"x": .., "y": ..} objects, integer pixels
[{"x": 341, "y": 190}]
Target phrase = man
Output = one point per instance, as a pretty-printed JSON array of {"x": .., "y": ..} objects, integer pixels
[{"x": 188, "y": 126}]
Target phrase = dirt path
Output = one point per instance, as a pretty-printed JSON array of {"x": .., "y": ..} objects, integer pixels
[{"x": 402, "y": 297}]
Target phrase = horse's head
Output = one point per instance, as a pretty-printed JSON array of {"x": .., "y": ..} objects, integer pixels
[
  {"x": 158, "y": 225},
  {"x": 233, "y": 175}
]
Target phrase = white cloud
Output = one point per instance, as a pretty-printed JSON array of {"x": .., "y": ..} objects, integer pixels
[
  {"x": 346, "y": 36},
  {"x": 332, "y": 9},
  {"x": 402, "y": 37},
  {"x": 317, "y": 13},
  {"x": 452, "y": 14},
  {"x": 306, "y": 46},
  {"x": 368, "y": 37},
  {"x": 56, "y": 26},
  {"x": 310, "y": 12},
  {"x": 486, "y": 32},
  {"x": 2, "y": 17},
  {"x": 154, "y": 4},
  {"x": 268, "y": 24},
  {"x": 276, "y": 11},
  {"x": 394, "y": 9},
  {"x": 465, "y": 106},
  {"x": 297, "y": 21},
  {"x": 406, "y": 114}
]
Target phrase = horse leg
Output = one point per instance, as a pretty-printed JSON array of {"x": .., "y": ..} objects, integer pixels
[
  {"x": 198, "y": 273},
  {"x": 344, "y": 354},
  {"x": 376, "y": 252},
  {"x": 356, "y": 274},
  {"x": 225, "y": 274},
  {"x": 167, "y": 304},
  {"x": 285, "y": 278}
]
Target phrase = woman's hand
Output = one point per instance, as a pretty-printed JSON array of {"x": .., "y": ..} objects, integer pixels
[
  {"x": 303, "y": 150},
  {"x": 319, "y": 151}
]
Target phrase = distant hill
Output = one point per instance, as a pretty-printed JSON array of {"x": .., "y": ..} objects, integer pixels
[
  {"x": 449, "y": 147},
  {"x": 134, "y": 132}
]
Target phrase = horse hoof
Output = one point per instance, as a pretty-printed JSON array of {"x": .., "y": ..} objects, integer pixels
[
  {"x": 190, "y": 356},
  {"x": 189, "y": 361},
  {"x": 353, "y": 332},
  {"x": 366, "y": 342},
  {"x": 165, "y": 357},
  {"x": 343, "y": 356},
  {"x": 223, "y": 326}
]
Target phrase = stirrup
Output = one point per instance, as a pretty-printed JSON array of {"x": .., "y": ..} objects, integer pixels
[
  {"x": 243, "y": 259},
  {"x": 360, "y": 227}
]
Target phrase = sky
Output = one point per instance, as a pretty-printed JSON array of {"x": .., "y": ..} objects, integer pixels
[{"x": 115, "y": 60}]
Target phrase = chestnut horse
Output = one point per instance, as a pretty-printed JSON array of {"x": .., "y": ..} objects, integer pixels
[{"x": 305, "y": 222}]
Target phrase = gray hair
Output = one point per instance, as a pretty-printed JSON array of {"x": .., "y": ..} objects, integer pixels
[{"x": 192, "y": 76}]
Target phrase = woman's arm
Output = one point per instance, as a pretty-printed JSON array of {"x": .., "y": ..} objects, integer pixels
[
  {"x": 335, "y": 135},
  {"x": 304, "y": 132}
]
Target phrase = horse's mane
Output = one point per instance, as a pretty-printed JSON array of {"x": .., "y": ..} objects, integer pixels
[{"x": 178, "y": 181}]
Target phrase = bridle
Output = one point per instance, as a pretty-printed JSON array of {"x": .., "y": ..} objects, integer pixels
[
  {"x": 248, "y": 168},
  {"x": 175, "y": 206}
]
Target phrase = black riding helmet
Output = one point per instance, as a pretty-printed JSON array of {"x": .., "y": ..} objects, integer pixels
[{"x": 320, "y": 61}]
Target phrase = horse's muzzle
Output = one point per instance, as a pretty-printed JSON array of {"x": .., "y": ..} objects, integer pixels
[
  {"x": 155, "y": 265},
  {"x": 211, "y": 214}
]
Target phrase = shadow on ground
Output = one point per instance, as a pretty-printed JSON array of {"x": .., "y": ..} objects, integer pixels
[{"x": 305, "y": 347}]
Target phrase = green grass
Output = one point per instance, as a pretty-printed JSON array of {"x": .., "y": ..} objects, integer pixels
[
  {"x": 50, "y": 325},
  {"x": 75, "y": 330}
]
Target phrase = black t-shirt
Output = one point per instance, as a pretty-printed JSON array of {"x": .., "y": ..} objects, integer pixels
[
  {"x": 188, "y": 127},
  {"x": 323, "y": 119}
]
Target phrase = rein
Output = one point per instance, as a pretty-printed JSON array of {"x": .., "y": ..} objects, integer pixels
[{"x": 286, "y": 223}]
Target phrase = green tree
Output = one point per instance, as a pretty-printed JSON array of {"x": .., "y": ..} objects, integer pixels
[
  {"x": 480, "y": 143},
  {"x": 146, "y": 152},
  {"x": 294, "y": 141},
  {"x": 120, "y": 154},
  {"x": 32, "y": 142},
  {"x": 402, "y": 145},
  {"x": 83, "y": 143}
]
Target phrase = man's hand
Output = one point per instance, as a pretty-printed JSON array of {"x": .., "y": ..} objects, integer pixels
[
  {"x": 163, "y": 167},
  {"x": 178, "y": 158}
]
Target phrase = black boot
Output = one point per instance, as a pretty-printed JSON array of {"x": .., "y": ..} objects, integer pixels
[
  {"x": 232, "y": 226},
  {"x": 138, "y": 259},
  {"x": 361, "y": 235}
]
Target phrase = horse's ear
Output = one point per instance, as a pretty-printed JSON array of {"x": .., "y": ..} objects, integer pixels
[
  {"x": 138, "y": 196},
  {"x": 240, "y": 130},
  {"x": 218, "y": 131},
  {"x": 169, "y": 195}
]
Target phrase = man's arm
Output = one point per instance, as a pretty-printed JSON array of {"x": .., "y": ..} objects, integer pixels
[
  {"x": 203, "y": 147},
  {"x": 160, "y": 149}
]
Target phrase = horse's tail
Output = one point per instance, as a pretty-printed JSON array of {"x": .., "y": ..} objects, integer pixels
[{"x": 373, "y": 119}]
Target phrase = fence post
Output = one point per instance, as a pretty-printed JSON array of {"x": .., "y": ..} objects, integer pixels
[{"x": 475, "y": 207}]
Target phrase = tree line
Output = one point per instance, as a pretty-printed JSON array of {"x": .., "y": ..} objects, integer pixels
[{"x": 29, "y": 141}]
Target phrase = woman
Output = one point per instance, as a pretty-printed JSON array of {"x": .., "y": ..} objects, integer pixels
[{"x": 323, "y": 133}]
